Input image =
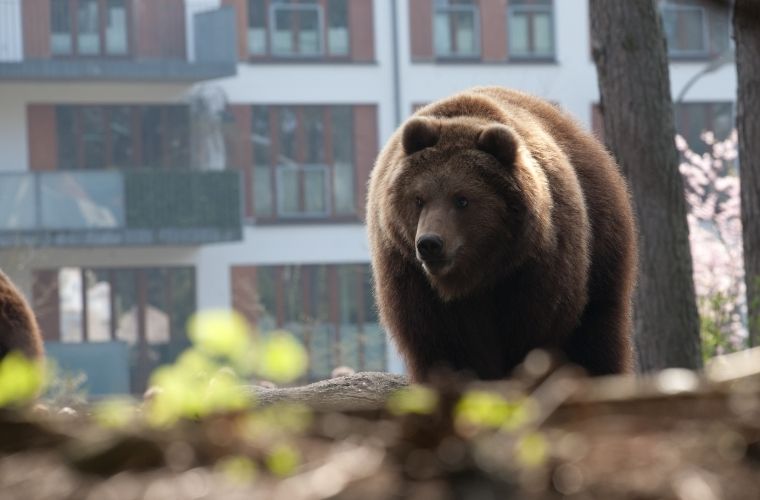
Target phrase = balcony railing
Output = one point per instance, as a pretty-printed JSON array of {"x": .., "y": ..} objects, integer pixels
[
  {"x": 98, "y": 40},
  {"x": 101, "y": 208}
]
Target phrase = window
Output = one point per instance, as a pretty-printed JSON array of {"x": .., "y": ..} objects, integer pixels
[
  {"x": 530, "y": 29},
  {"x": 694, "y": 118},
  {"x": 329, "y": 307},
  {"x": 303, "y": 164},
  {"x": 146, "y": 308},
  {"x": 89, "y": 28},
  {"x": 97, "y": 137},
  {"x": 456, "y": 28},
  {"x": 298, "y": 28},
  {"x": 695, "y": 30}
]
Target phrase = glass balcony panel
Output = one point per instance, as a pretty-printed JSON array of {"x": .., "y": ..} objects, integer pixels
[
  {"x": 82, "y": 200},
  {"x": 17, "y": 202}
]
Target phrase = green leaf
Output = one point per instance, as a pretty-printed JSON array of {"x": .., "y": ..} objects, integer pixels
[
  {"x": 220, "y": 333},
  {"x": 282, "y": 358},
  {"x": 413, "y": 399},
  {"x": 20, "y": 379}
]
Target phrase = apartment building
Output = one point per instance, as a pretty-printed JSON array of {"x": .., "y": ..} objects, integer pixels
[{"x": 165, "y": 156}]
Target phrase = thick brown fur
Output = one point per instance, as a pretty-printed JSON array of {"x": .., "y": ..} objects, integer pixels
[
  {"x": 18, "y": 326},
  {"x": 539, "y": 238}
]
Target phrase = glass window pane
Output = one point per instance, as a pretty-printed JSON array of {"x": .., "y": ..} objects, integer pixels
[
  {"x": 287, "y": 191},
  {"x": 261, "y": 135},
  {"x": 70, "y": 304},
  {"x": 65, "y": 117},
  {"x": 519, "y": 43},
  {"x": 17, "y": 201},
  {"x": 98, "y": 305},
  {"x": 93, "y": 137},
  {"x": 315, "y": 137},
  {"x": 282, "y": 35},
  {"x": 262, "y": 191},
  {"x": 293, "y": 294},
  {"x": 337, "y": 25},
  {"x": 720, "y": 23},
  {"x": 182, "y": 306},
  {"x": 157, "y": 312},
  {"x": 262, "y": 160},
  {"x": 176, "y": 135},
  {"x": 542, "y": 34},
  {"x": 684, "y": 29},
  {"x": 88, "y": 23},
  {"x": 82, "y": 200},
  {"x": 122, "y": 140},
  {"x": 692, "y": 36},
  {"x": 464, "y": 27},
  {"x": 344, "y": 189},
  {"x": 309, "y": 32},
  {"x": 456, "y": 32},
  {"x": 315, "y": 194},
  {"x": 288, "y": 125},
  {"x": 723, "y": 120},
  {"x": 257, "y": 27},
  {"x": 116, "y": 28},
  {"x": 61, "y": 42},
  {"x": 442, "y": 34},
  {"x": 266, "y": 297},
  {"x": 125, "y": 305},
  {"x": 151, "y": 137}
]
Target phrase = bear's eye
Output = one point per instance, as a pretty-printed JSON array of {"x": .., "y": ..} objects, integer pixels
[
  {"x": 461, "y": 202},
  {"x": 418, "y": 201}
]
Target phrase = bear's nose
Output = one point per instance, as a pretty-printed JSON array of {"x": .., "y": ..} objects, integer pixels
[{"x": 430, "y": 246}]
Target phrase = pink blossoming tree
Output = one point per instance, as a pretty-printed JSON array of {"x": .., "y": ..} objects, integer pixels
[{"x": 712, "y": 192}]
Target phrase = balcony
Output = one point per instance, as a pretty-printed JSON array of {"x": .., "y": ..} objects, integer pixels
[
  {"x": 113, "y": 208},
  {"x": 108, "y": 40}
]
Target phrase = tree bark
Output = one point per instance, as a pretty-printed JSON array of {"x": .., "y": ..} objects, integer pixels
[
  {"x": 363, "y": 391},
  {"x": 629, "y": 51},
  {"x": 747, "y": 34}
]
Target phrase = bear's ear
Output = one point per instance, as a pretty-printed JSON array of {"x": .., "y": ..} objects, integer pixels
[
  {"x": 419, "y": 133},
  {"x": 500, "y": 142}
]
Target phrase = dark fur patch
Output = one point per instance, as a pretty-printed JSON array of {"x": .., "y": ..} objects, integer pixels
[{"x": 419, "y": 134}]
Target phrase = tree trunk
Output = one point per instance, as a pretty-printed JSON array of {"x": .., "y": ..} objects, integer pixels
[
  {"x": 631, "y": 59},
  {"x": 747, "y": 34}
]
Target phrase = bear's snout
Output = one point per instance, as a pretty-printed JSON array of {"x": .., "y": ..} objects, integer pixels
[{"x": 430, "y": 247}]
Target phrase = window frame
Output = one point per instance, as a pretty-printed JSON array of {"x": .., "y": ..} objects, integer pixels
[
  {"x": 300, "y": 171},
  {"x": 136, "y": 112},
  {"x": 324, "y": 55},
  {"x": 477, "y": 31},
  {"x": 682, "y": 112},
  {"x": 48, "y": 295},
  {"x": 676, "y": 54},
  {"x": 305, "y": 290},
  {"x": 102, "y": 32},
  {"x": 532, "y": 9},
  {"x": 275, "y": 165}
]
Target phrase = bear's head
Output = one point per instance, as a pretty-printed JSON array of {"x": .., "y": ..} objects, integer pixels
[{"x": 468, "y": 202}]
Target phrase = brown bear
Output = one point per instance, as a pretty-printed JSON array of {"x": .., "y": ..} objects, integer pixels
[
  {"x": 18, "y": 326},
  {"x": 497, "y": 225}
]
